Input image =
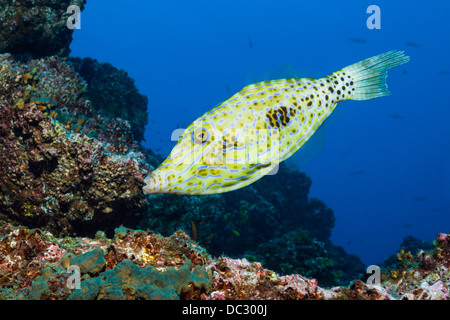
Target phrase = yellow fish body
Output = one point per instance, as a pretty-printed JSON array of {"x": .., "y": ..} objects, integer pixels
[{"x": 246, "y": 136}]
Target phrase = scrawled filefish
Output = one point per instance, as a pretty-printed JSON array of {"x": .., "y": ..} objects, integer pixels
[{"x": 245, "y": 137}]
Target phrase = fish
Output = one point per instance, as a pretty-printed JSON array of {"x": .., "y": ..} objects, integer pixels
[
  {"x": 443, "y": 73},
  {"x": 227, "y": 88},
  {"x": 250, "y": 42},
  {"x": 194, "y": 231},
  {"x": 346, "y": 153},
  {"x": 356, "y": 173},
  {"x": 420, "y": 199},
  {"x": 412, "y": 44},
  {"x": 245, "y": 137},
  {"x": 357, "y": 40},
  {"x": 396, "y": 116}
]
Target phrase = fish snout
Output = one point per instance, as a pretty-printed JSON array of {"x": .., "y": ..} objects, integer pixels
[{"x": 152, "y": 185}]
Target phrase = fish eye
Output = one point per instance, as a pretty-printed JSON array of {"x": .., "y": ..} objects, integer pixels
[{"x": 200, "y": 136}]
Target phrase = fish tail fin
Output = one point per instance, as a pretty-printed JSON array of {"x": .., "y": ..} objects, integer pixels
[{"x": 369, "y": 76}]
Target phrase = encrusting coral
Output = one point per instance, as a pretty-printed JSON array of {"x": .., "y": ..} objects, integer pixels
[
  {"x": 36, "y": 27},
  {"x": 137, "y": 264},
  {"x": 112, "y": 92},
  {"x": 68, "y": 169}
]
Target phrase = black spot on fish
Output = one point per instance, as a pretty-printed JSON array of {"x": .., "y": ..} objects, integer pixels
[{"x": 279, "y": 114}]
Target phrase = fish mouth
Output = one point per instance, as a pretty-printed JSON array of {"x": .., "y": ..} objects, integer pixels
[{"x": 151, "y": 185}]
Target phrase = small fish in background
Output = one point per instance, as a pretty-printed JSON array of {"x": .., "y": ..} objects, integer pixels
[
  {"x": 356, "y": 173},
  {"x": 227, "y": 88},
  {"x": 407, "y": 225},
  {"x": 435, "y": 210},
  {"x": 443, "y": 73},
  {"x": 405, "y": 72},
  {"x": 396, "y": 116},
  {"x": 420, "y": 199},
  {"x": 346, "y": 153},
  {"x": 236, "y": 233},
  {"x": 357, "y": 40},
  {"x": 412, "y": 44},
  {"x": 250, "y": 42},
  {"x": 356, "y": 241},
  {"x": 194, "y": 231}
]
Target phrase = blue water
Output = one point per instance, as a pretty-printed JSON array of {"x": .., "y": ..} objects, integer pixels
[{"x": 385, "y": 166}]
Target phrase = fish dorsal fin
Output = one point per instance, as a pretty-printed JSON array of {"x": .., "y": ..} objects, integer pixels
[{"x": 316, "y": 143}]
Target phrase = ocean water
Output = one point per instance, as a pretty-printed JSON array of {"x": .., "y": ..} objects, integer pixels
[{"x": 385, "y": 165}]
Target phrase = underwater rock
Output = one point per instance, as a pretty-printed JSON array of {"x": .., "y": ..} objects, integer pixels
[
  {"x": 113, "y": 93},
  {"x": 128, "y": 281},
  {"x": 36, "y": 27},
  {"x": 263, "y": 214},
  {"x": 270, "y": 207},
  {"x": 91, "y": 262},
  {"x": 63, "y": 167},
  {"x": 144, "y": 265},
  {"x": 170, "y": 267},
  {"x": 298, "y": 252},
  {"x": 409, "y": 244}
]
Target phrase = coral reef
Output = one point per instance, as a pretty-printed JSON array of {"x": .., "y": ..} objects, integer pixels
[
  {"x": 37, "y": 27},
  {"x": 69, "y": 169},
  {"x": 113, "y": 93},
  {"x": 275, "y": 216},
  {"x": 137, "y": 264},
  {"x": 71, "y": 164},
  {"x": 131, "y": 265},
  {"x": 409, "y": 244},
  {"x": 297, "y": 252}
]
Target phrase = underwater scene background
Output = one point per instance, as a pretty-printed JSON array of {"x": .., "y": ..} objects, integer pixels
[
  {"x": 384, "y": 169},
  {"x": 87, "y": 114}
]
